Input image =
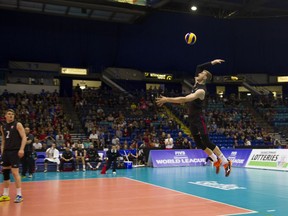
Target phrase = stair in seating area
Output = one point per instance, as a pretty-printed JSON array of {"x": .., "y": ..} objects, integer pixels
[
  {"x": 69, "y": 110},
  {"x": 78, "y": 136},
  {"x": 185, "y": 129}
]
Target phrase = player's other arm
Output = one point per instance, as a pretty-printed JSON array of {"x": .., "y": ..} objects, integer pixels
[
  {"x": 207, "y": 65},
  {"x": 3, "y": 140},
  {"x": 200, "y": 93},
  {"x": 23, "y": 136}
]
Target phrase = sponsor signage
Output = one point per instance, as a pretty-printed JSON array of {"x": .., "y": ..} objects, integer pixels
[
  {"x": 215, "y": 184},
  {"x": 282, "y": 79},
  {"x": 158, "y": 76},
  {"x": 275, "y": 159},
  {"x": 74, "y": 71},
  {"x": 183, "y": 157},
  {"x": 238, "y": 157}
]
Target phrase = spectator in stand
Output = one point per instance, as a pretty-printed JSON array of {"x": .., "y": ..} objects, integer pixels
[
  {"x": 42, "y": 135},
  {"x": 59, "y": 138},
  {"x": 93, "y": 137},
  {"x": 92, "y": 156},
  {"x": 186, "y": 144},
  {"x": 87, "y": 143},
  {"x": 126, "y": 133},
  {"x": 49, "y": 139},
  {"x": 118, "y": 132},
  {"x": 162, "y": 140},
  {"x": 80, "y": 144},
  {"x": 169, "y": 143},
  {"x": 44, "y": 147},
  {"x": 67, "y": 135},
  {"x": 37, "y": 144},
  {"x": 67, "y": 157},
  {"x": 52, "y": 156},
  {"x": 115, "y": 141},
  {"x": 247, "y": 142},
  {"x": 179, "y": 141},
  {"x": 80, "y": 156}
]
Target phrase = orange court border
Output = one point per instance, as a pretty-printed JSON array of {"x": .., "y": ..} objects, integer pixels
[{"x": 110, "y": 197}]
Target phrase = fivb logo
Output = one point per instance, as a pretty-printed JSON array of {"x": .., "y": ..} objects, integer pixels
[
  {"x": 180, "y": 153},
  {"x": 233, "y": 154}
]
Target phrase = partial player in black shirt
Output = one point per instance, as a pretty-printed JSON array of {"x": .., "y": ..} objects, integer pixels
[
  {"x": 197, "y": 122},
  {"x": 12, "y": 149},
  {"x": 28, "y": 159},
  {"x": 112, "y": 156}
]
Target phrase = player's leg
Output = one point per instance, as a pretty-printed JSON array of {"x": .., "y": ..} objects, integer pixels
[
  {"x": 83, "y": 164},
  {"x": 6, "y": 168},
  {"x": 61, "y": 167},
  {"x": 215, "y": 149},
  {"x": 30, "y": 166},
  {"x": 98, "y": 164},
  {"x": 198, "y": 125},
  {"x": 45, "y": 165},
  {"x": 17, "y": 178},
  {"x": 196, "y": 128},
  {"x": 15, "y": 161},
  {"x": 106, "y": 167},
  {"x": 6, "y": 183},
  {"x": 24, "y": 166},
  {"x": 227, "y": 164}
]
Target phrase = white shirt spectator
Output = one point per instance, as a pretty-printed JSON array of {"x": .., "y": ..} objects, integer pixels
[
  {"x": 37, "y": 144},
  {"x": 93, "y": 136},
  {"x": 169, "y": 142},
  {"x": 115, "y": 141},
  {"x": 52, "y": 155},
  {"x": 247, "y": 142}
]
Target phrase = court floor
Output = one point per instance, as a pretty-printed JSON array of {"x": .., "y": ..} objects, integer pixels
[{"x": 153, "y": 191}]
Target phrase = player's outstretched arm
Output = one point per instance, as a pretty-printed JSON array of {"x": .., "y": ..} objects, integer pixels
[{"x": 200, "y": 93}]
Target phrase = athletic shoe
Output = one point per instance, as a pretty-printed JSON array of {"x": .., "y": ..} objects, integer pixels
[
  {"x": 45, "y": 170},
  {"x": 228, "y": 168},
  {"x": 23, "y": 176},
  {"x": 4, "y": 198},
  {"x": 84, "y": 170},
  {"x": 30, "y": 176},
  {"x": 217, "y": 165},
  {"x": 114, "y": 172},
  {"x": 18, "y": 199}
]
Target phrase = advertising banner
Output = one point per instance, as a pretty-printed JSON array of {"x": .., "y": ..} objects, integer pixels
[
  {"x": 239, "y": 157},
  {"x": 275, "y": 159},
  {"x": 181, "y": 157}
]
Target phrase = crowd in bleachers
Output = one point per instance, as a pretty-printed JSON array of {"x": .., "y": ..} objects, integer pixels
[
  {"x": 274, "y": 111},
  {"x": 42, "y": 113},
  {"x": 133, "y": 123}
]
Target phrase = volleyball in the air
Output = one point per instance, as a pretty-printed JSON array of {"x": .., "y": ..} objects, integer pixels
[{"x": 190, "y": 38}]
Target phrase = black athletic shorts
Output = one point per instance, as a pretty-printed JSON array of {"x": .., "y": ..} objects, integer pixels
[
  {"x": 10, "y": 158},
  {"x": 198, "y": 125}
]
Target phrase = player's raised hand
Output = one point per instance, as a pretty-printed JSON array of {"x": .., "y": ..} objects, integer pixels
[
  {"x": 161, "y": 100},
  {"x": 217, "y": 61}
]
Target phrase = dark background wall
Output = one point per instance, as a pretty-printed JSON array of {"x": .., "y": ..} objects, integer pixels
[{"x": 156, "y": 44}]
